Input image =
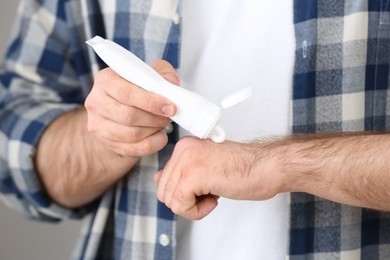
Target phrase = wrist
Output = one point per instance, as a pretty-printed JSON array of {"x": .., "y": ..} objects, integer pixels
[
  {"x": 268, "y": 177},
  {"x": 283, "y": 165},
  {"x": 300, "y": 163}
]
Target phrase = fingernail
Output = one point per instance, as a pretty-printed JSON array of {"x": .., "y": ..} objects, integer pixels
[
  {"x": 172, "y": 77},
  {"x": 168, "y": 110}
]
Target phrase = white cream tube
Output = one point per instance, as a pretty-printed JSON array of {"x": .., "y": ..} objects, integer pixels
[{"x": 195, "y": 113}]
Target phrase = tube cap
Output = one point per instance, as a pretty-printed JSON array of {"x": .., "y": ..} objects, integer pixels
[{"x": 237, "y": 97}]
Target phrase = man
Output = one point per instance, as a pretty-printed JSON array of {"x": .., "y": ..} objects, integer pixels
[{"x": 61, "y": 160}]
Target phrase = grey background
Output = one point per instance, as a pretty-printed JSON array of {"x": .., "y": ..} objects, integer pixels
[{"x": 21, "y": 238}]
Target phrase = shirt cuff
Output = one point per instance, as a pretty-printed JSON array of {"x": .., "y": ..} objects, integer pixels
[{"x": 21, "y": 187}]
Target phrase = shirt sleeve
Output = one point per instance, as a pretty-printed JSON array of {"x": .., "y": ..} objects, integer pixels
[{"x": 38, "y": 82}]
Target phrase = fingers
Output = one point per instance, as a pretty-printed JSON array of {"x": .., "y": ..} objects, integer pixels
[
  {"x": 126, "y": 117},
  {"x": 144, "y": 147},
  {"x": 170, "y": 176},
  {"x": 168, "y": 182},
  {"x": 201, "y": 169},
  {"x": 131, "y": 116},
  {"x": 130, "y": 95},
  {"x": 184, "y": 202},
  {"x": 193, "y": 207},
  {"x": 204, "y": 206},
  {"x": 180, "y": 185},
  {"x": 119, "y": 133}
]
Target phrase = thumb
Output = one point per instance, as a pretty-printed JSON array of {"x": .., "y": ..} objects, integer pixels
[{"x": 204, "y": 206}]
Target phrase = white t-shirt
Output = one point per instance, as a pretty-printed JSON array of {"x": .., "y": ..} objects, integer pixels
[{"x": 227, "y": 45}]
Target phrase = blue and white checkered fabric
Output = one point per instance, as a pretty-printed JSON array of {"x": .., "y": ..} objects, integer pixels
[
  {"x": 340, "y": 83},
  {"x": 49, "y": 70}
]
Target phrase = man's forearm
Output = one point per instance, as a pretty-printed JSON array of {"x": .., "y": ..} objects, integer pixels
[
  {"x": 349, "y": 168},
  {"x": 74, "y": 166}
]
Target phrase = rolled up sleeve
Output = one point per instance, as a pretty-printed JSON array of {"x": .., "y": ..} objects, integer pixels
[{"x": 38, "y": 82}]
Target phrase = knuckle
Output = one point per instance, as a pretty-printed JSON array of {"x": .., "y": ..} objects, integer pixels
[
  {"x": 117, "y": 135},
  {"x": 186, "y": 152},
  {"x": 113, "y": 134},
  {"x": 128, "y": 115},
  {"x": 181, "y": 145},
  {"x": 177, "y": 209},
  {"x": 151, "y": 144},
  {"x": 144, "y": 148},
  {"x": 168, "y": 195},
  {"x": 163, "y": 121},
  {"x": 90, "y": 102},
  {"x": 195, "y": 217},
  {"x": 129, "y": 135},
  {"x": 125, "y": 92},
  {"x": 148, "y": 103},
  {"x": 121, "y": 149},
  {"x": 133, "y": 135},
  {"x": 185, "y": 143},
  {"x": 160, "y": 195},
  {"x": 103, "y": 75},
  {"x": 177, "y": 202}
]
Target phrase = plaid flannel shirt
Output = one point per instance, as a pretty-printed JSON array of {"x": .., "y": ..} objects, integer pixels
[
  {"x": 341, "y": 81},
  {"x": 340, "y": 84}
]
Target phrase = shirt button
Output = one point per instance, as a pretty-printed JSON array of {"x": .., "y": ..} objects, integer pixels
[
  {"x": 164, "y": 240},
  {"x": 176, "y": 19},
  {"x": 168, "y": 129}
]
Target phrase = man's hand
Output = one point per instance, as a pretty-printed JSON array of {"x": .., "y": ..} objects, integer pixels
[
  {"x": 126, "y": 118},
  {"x": 200, "y": 171},
  {"x": 348, "y": 168},
  {"x": 85, "y": 151}
]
